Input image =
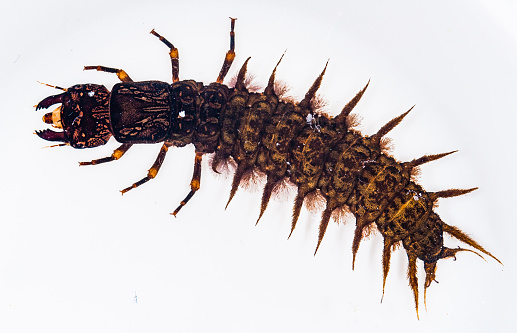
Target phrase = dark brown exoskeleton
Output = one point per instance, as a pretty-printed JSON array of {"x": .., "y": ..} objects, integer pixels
[
  {"x": 285, "y": 141},
  {"x": 83, "y": 116}
]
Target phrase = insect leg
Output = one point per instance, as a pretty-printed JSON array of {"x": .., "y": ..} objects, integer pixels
[
  {"x": 195, "y": 183},
  {"x": 154, "y": 169},
  {"x": 173, "y": 54},
  {"x": 230, "y": 55},
  {"x": 122, "y": 75},
  {"x": 118, "y": 153}
]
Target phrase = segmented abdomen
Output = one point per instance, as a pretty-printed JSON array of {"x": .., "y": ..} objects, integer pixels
[{"x": 325, "y": 157}]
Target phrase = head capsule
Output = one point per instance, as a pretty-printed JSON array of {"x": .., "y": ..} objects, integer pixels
[{"x": 83, "y": 116}]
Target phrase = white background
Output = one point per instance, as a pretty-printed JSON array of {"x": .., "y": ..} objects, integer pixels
[{"x": 76, "y": 256}]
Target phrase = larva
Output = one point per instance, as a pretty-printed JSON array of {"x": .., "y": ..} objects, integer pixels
[{"x": 283, "y": 140}]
